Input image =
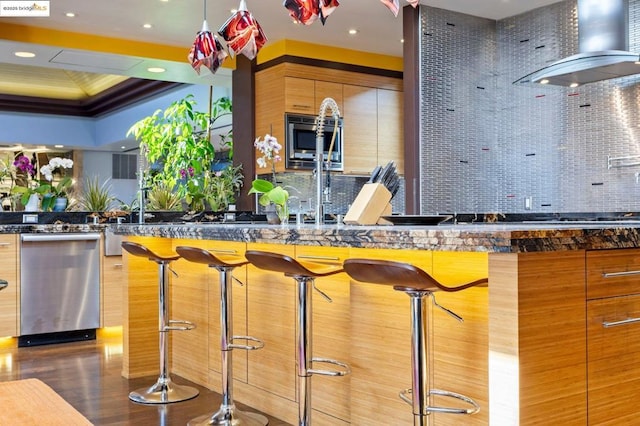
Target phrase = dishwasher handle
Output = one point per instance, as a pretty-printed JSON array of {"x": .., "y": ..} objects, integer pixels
[{"x": 60, "y": 237}]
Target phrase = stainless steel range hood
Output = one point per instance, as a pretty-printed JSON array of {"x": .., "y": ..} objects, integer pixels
[{"x": 603, "y": 27}]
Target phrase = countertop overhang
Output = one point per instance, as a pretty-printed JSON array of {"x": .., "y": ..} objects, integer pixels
[{"x": 512, "y": 237}]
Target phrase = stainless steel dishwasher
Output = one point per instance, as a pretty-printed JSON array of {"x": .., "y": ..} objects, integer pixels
[{"x": 59, "y": 287}]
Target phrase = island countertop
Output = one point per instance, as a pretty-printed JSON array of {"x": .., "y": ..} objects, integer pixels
[{"x": 512, "y": 237}]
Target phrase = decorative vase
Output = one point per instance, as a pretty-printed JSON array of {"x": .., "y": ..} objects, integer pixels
[
  {"x": 283, "y": 213},
  {"x": 60, "y": 204},
  {"x": 272, "y": 215},
  {"x": 32, "y": 204}
]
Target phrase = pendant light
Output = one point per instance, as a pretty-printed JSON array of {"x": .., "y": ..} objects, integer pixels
[
  {"x": 206, "y": 49},
  {"x": 243, "y": 33}
]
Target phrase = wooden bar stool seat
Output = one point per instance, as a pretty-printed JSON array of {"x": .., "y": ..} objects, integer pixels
[
  {"x": 227, "y": 413},
  {"x": 164, "y": 390},
  {"x": 304, "y": 274},
  {"x": 418, "y": 285}
]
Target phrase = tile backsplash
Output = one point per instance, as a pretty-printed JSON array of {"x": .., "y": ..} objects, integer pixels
[{"x": 490, "y": 145}]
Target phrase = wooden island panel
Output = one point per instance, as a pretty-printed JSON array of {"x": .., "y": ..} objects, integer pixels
[
  {"x": 140, "y": 325},
  {"x": 10, "y": 296},
  {"x": 537, "y": 350}
]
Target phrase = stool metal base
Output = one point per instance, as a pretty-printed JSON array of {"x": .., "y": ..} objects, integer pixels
[
  {"x": 163, "y": 392},
  {"x": 230, "y": 416}
]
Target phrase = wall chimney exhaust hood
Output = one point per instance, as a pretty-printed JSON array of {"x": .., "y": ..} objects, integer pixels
[{"x": 603, "y": 27}]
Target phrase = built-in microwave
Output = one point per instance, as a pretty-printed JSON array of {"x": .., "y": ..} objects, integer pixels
[{"x": 301, "y": 142}]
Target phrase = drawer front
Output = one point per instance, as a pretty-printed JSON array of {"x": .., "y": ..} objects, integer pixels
[
  {"x": 613, "y": 273},
  {"x": 613, "y": 352}
]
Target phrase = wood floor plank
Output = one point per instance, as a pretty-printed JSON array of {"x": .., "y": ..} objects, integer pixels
[{"x": 87, "y": 375}]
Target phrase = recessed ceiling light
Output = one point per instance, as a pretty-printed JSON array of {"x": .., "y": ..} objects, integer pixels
[
  {"x": 70, "y": 15},
  {"x": 165, "y": 1},
  {"x": 58, "y": 146},
  {"x": 401, "y": 40},
  {"x": 545, "y": 81},
  {"x": 353, "y": 31},
  {"x": 233, "y": 10},
  {"x": 124, "y": 147},
  {"x": 574, "y": 85},
  {"x": 147, "y": 26},
  {"x": 156, "y": 69},
  {"x": 24, "y": 54}
]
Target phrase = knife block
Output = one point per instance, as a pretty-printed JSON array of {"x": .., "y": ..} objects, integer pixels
[{"x": 372, "y": 201}]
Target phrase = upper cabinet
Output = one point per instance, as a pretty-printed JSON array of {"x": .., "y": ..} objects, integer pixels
[
  {"x": 304, "y": 96},
  {"x": 370, "y": 105}
]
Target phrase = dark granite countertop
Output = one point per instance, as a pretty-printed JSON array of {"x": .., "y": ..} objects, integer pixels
[
  {"x": 51, "y": 228},
  {"x": 509, "y": 237}
]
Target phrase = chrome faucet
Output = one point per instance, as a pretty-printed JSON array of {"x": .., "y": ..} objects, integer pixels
[
  {"x": 142, "y": 165},
  {"x": 326, "y": 103}
]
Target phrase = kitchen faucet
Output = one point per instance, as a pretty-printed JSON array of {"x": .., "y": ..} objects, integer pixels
[
  {"x": 326, "y": 103},
  {"x": 142, "y": 165}
]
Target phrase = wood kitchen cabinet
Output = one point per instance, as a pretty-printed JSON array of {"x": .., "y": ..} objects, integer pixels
[
  {"x": 370, "y": 105},
  {"x": 613, "y": 336},
  {"x": 112, "y": 279},
  {"x": 360, "y": 136},
  {"x": 367, "y": 146},
  {"x": 9, "y": 315}
]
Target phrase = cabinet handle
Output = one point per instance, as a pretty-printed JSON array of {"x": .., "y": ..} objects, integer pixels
[
  {"x": 619, "y": 274},
  {"x": 223, "y": 251},
  {"x": 607, "y": 324},
  {"x": 117, "y": 265},
  {"x": 308, "y": 257},
  {"x": 5, "y": 244},
  {"x": 302, "y": 106}
]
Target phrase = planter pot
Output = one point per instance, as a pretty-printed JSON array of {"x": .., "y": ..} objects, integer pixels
[
  {"x": 32, "y": 204},
  {"x": 272, "y": 215},
  {"x": 60, "y": 204}
]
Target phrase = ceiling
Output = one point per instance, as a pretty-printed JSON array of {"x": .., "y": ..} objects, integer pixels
[{"x": 65, "y": 74}]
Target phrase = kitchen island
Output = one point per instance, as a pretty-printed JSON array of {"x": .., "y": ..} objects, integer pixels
[{"x": 536, "y": 346}]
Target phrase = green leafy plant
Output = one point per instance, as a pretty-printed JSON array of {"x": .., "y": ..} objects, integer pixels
[
  {"x": 174, "y": 141},
  {"x": 223, "y": 187},
  {"x": 161, "y": 197},
  {"x": 96, "y": 197}
]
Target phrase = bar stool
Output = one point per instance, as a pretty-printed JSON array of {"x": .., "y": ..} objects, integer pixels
[
  {"x": 3, "y": 284},
  {"x": 227, "y": 414},
  {"x": 305, "y": 279},
  {"x": 164, "y": 390},
  {"x": 418, "y": 285}
]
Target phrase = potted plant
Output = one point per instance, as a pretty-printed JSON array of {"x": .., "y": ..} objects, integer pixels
[
  {"x": 96, "y": 197},
  {"x": 176, "y": 142},
  {"x": 163, "y": 198},
  {"x": 271, "y": 194},
  {"x": 55, "y": 195}
]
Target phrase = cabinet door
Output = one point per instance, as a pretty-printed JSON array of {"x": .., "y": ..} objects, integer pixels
[
  {"x": 299, "y": 95},
  {"x": 325, "y": 89},
  {"x": 112, "y": 279},
  {"x": 613, "y": 354},
  {"x": 9, "y": 296},
  {"x": 612, "y": 273},
  {"x": 390, "y": 128},
  {"x": 360, "y": 131},
  {"x": 270, "y": 110}
]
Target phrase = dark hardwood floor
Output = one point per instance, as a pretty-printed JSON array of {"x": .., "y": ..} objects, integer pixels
[{"x": 87, "y": 375}]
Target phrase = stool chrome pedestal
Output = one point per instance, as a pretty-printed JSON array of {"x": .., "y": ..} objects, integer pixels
[
  {"x": 164, "y": 391},
  {"x": 418, "y": 285},
  {"x": 305, "y": 280},
  {"x": 227, "y": 414}
]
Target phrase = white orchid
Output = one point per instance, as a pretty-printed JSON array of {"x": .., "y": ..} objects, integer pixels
[{"x": 55, "y": 163}]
